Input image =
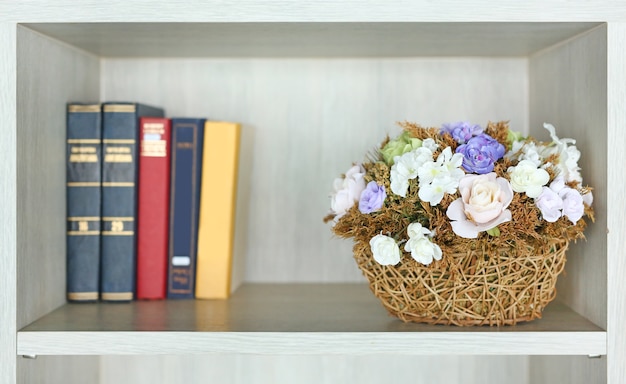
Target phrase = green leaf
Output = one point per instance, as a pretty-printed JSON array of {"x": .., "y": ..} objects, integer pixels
[{"x": 495, "y": 231}]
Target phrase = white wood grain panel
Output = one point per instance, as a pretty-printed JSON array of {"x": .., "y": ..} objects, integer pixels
[
  {"x": 306, "y": 343},
  {"x": 8, "y": 263},
  {"x": 326, "y": 10},
  {"x": 616, "y": 217},
  {"x": 310, "y": 119},
  {"x": 59, "y": 369},
  {"x": 49, "y": 75},
  {"x": 569, "y": 369},
  {"x": 373, "y": 369},
  {"x": 311, "y": 39},
  {"x": 568, "y": 88}
]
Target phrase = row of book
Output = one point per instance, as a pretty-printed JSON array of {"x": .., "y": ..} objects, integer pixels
[{"x": 150, "y": 203}]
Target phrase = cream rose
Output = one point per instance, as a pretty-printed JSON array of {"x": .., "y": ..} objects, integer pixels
[
  {"x": 385, "y": 250},
  {"x": 483, "y": 204}
]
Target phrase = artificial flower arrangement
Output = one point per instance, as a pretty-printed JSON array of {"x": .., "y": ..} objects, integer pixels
[{"x": 462, "y": 224}]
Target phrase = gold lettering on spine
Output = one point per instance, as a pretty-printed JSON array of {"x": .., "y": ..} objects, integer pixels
[
  {"x": 118, "y": 155},
  {"x": 156, "y": 148},
  {"x": 116, "y": 226},
  {"x": 154, "y": 128}
]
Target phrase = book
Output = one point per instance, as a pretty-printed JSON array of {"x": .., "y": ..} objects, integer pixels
[
  {"x": 187, "y": 140},
  {"x": 153, "y": 205},
  {"x": 120, "y": 131},
  {"x": 217, "y": 209},
  {"x": 83, "y": 178}
]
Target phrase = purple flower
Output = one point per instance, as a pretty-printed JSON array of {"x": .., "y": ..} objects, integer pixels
[
  {"x": 461, "y": 131},
  {"x": 372, "y": 198},
  {"x": 480, "y": 153},
  {"x": 573, "y": 207}
]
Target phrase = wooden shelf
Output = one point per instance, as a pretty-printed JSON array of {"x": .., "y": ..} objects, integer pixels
[
  {"x": 306, "y": 39},
  {"x": 292, "y": 319}
]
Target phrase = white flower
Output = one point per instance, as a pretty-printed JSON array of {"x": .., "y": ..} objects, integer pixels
[
  {"x": 441, "y": 176},
  {"x": 385, "y": 250},
  {"x": 430, "y": 144},
  {"x": 532, "y": 152},
  {"x": 568, "y": 155},
  {"x": 415, "y": 230},
  {"x": 405, "y": 169},
  {"x": 588, "y": 198},
  {"x": 422, "y": 249},
  {"x": 434, "y": 192},
  {"x": 347, "y": 191},
  {"x": 526, "y": 177}
]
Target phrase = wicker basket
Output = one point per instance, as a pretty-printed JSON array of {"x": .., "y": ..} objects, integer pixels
[{"x": 469, "y": 287}]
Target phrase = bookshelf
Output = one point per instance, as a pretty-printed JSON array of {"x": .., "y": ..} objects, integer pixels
[{"x": 314, "y": 88}]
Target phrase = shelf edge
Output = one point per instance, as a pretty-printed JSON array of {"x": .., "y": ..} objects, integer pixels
[{"x": 311, "y": 343}]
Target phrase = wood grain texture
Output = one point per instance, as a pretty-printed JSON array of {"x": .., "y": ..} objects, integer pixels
[
  {"x": 293, "y": 319},
  {"x": 49, "y": 75},
  {"x": 616, "y": 216},
  {"x": 8, "y": 263},
  {"x": 554, "y": 369},
  {"x": 372, "y": 369},
  {"x": 59, "y": 369},
  {"x": 308, "y": 40},
  {"x": 326, "y": 10},
  {"x": 568, "y": 369},
  {"x": 310, "y": 119},
  {"x": 568, "y": 88}
]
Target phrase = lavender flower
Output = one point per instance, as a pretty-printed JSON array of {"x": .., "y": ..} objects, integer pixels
[
  {"x": 372, "y": 198},
  {"x": 480, "y": 153},
  {"x": 461, "y": 131},
  {"x": 550, "y": 205}
]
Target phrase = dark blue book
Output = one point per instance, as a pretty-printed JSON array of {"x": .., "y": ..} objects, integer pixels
[
  {"x": 186, "y": 172},
  {"x": 120, "y": 139},
  {"x": 83, "y": 178}
]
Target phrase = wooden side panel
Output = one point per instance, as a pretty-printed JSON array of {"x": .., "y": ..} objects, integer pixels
[
  {"x": 568, "y": 89},
  {"x": 8, "y": 263},
  {"x": 49, "y": 74},
  {"x": 616, "y": 217}
]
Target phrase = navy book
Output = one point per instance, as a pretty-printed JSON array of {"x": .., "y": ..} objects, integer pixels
[
  {"x": 84, "y": 161},
  {"x": 186, "y": 172},
  {"x": 120, "y": 138}
]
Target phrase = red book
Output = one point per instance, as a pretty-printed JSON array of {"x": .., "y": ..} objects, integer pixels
[{"x": 153, "y": 207}]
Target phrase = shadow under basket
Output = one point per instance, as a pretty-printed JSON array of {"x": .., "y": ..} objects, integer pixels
[{"x": 468, "y": 287}]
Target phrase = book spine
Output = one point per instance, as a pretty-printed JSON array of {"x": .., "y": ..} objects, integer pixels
[
  {"x": 84, "y": 162},
  {"x": 187, "y": 139},
  {"x": 217, "y": 210},
  {"x": 153, "y": 208},
  {"x": 118, "y": 201}
]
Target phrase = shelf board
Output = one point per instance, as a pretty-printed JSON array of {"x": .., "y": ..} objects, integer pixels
[
  {"x": 292, "y": 319},
  {"x": 309, "y": 39}
]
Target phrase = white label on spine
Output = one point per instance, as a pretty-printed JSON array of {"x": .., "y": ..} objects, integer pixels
[{"x": 181, "y": 261}]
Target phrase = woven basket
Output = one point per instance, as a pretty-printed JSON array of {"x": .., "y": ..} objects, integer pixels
[{"x": 469, "y": 287}]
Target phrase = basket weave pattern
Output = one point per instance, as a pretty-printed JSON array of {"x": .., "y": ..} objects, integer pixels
[{"x": 504, "y": 287}]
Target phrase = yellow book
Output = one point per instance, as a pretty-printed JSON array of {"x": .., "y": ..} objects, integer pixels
[{"x": 216, "y": 227}]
